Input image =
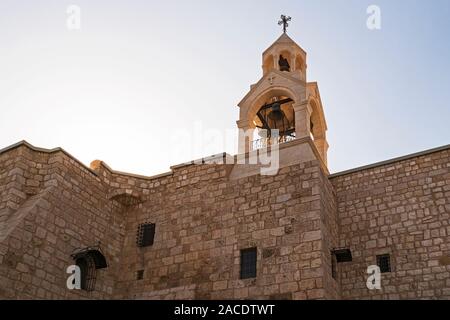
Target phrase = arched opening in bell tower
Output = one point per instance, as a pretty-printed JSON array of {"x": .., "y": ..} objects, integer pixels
[
  {"x": 285, "y": 61},
  {"x": 274, "y": 122},
  {"x": 316, "y": 126},
  {"x": 299, "y": 64},
  {"x": 268, "y": 64}
]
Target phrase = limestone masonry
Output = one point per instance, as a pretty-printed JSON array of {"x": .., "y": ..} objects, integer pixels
[{"x": 226, "y": 230}]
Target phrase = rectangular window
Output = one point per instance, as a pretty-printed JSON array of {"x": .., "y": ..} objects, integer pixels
[
  {"x": 145, "y": 234},
  {"x": 384, "y": 262},
  {"x": 139, "y": 274},
  {"x": 248, "y": 263}
]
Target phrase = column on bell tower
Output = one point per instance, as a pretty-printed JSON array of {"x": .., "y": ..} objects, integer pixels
[
  {"x": 246, "y": 132},
  {"x": 302, "y": 119}
]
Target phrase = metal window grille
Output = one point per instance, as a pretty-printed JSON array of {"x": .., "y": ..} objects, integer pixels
[
  {"x": 139, "y": 274},
  {"x": 88, "y": 272},
  {"x": 267, "y": 142},
  {"x": 89, "y": 259},
  {"x": 145, "y": 234},
  {"x": 384, "y": 262},
  {"x": 248, "y": 263}
]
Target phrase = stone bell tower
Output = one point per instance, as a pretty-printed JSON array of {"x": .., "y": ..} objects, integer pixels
[{"x": 282, "y": 100}]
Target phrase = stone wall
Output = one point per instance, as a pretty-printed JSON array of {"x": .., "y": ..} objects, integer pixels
[
  {"x": 401, "y": 208},
  {"x": 203, "y": 219},
  {"x": 51, "y": 206},
  {"x": 330, "y": 231}
]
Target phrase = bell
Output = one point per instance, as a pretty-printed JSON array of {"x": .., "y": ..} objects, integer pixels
[
  {"x": 284, "y": 64},
  {"x": 276, "y": 113}
]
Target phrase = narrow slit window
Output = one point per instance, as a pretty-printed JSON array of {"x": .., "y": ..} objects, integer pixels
[
  {"x": 384, "y": 262},
  {"x": 333, "y": 266},
  {"x": 145, "y": 234},
  {"x": 248, "y": 263}
]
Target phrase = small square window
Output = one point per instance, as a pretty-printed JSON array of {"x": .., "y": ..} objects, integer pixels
[
  {"x": 145, "y": 234},
  {"x": 248, "y": 263},
  {"x": 384, "y": 262},
  {"x": 139, "y": 274}
]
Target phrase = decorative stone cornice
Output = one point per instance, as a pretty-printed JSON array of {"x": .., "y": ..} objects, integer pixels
[
  {"x": 302, "y": 105},
  {"x": 244, "y": 124}
]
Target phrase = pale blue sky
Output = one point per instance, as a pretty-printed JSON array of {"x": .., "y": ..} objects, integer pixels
[{"x": 136, "y": 70}]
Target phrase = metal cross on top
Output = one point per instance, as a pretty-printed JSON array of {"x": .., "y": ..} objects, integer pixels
[{"x": 284, "y": 21}]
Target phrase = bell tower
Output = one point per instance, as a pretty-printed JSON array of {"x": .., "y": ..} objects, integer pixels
[{"x": 282, "y": 106}]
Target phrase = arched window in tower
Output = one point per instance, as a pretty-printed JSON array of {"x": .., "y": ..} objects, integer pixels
[
  {"x": 314, "y": 121},
  {"x": 284, "y": 63},
  {"x": 87, "y": 272},
  {"x": 89, "y": 260},
  {"x": 299, "y": 64},
  {"x": 317, "y": 126},
  {"x": 300, "y": 67},
  {"x": 275, "y": 122},
  {"x": 268, "y": 64}
]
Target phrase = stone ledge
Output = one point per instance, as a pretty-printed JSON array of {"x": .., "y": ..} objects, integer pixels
[
  {"x": 390, "y": 161},
  {"x": 43, "y": 150},
  {"x": 214, "y": 159},
  {"x": 96, "y": 164}
]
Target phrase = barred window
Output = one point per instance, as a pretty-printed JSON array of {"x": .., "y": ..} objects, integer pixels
[
  {"x": 384, "y": 262},
  {"x": 87, "y": 272},
  {"x": 139, "y": 274},
  {"x": 145, "y": 234},
  {"x": 248, "y": 263},
  {"x": 89, "y": 259}
]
